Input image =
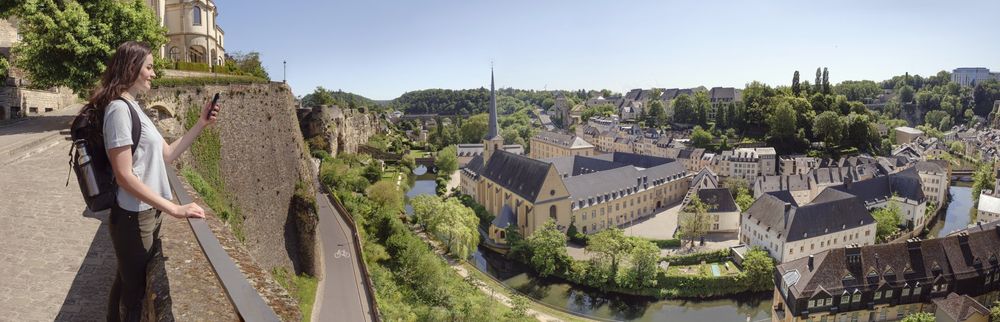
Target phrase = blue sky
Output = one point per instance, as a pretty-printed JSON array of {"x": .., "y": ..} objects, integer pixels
[{"x": 382, "y": 49}]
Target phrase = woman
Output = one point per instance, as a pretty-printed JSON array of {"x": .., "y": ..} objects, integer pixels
[{"x": 143, "y": 188}]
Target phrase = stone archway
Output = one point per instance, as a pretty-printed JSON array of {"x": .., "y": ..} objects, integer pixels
[{"x": 162, "y": 109}]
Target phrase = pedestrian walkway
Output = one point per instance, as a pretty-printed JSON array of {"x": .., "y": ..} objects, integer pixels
[
  {"x": 342, "y": 295},
  {"x": 56, "y": 258}
]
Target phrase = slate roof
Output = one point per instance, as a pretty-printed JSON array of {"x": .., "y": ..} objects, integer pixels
[
  {"x": 505, "y": 218},
  {"x": 795, "y": 182},
  {"x": 962, "y": 256},
  {"x": 519, "y": 174},
  {"x": 721, "y": 198},
  {"x": 564, "y": 140},
  {"x": 830, "y": 212},
  {"x": 905, "y": 184},
  {"x": 960, "y": 307},
  {"x": 616, "y": 181},
  {"x": 928, "y": 166}
]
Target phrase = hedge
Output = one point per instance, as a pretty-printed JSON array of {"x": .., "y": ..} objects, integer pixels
[
  {"x": 701, "y": 286},
  {"x": 667, "y": 243},
  {"x": 696, "y": 258},
  {"x": 202, "y": 81},
  {"x": 189, "y": 66}
]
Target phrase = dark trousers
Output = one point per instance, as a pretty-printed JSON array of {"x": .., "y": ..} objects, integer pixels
[{"x": 136, "y": 239}]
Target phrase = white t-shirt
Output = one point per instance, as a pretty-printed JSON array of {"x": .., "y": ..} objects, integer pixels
[{"x": 147, "y": 162}]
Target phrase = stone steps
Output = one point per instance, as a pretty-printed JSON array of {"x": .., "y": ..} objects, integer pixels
[{"x": 32, "y": 147}]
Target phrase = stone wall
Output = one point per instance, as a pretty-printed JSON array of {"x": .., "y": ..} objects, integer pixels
[
  {"x": 263, "y": 156},
  {"x": 20, "y": 102},
  {"x": 344, "y": 129}
]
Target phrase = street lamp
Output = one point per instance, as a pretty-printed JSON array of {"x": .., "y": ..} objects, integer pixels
[{"x": 284, "y": 71}]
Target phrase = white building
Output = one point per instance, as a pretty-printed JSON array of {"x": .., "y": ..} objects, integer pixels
[
  {"x": 191, "y": 29},
  {"x": 789, "y": 231},
  {"x": 989, "y": 208},
  {"x": 969, "y": 76}
]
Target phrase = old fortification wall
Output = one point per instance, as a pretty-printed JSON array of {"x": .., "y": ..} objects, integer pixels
[
  {"x": 262, "y": 158},
  {"x": 344, "y": 130}
]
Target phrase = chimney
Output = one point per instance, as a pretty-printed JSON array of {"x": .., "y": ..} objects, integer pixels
[
  {"x": 913, "y": 244},
  {"x": 810, "y": 262},
  {"x": 963, "y": 239}
]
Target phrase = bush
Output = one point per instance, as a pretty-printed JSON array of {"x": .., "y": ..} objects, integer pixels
[
  {"x": 322, "y": 155},
  {"x": 667, "y": 243},
  {"x": 696, "y": 258},
  {"x": 189, "y": 66},
  {"x": 208, "y": 80},
  {"x": 318, "y": 142}
]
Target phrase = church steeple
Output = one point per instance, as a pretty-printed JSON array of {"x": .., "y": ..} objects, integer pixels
[
  {"x": 494, "y": 128},
  {"x": 493, "y": 141}
]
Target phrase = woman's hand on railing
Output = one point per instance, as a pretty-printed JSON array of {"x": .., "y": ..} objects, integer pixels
[{"x": 190, "y": 210}]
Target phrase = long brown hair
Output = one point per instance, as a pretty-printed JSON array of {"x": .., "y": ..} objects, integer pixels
[{"x": 122, "y": 71}]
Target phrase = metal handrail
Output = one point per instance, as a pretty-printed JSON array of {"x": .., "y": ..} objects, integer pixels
[
  {"x": 358, "y": 252},
  {"x": 249, "y": 305}
]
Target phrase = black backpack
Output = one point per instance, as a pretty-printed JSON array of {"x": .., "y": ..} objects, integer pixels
[{"x": 89, "y": 159}]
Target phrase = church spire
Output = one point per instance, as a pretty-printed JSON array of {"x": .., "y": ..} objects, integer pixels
[{"x": 494, "y": 128}]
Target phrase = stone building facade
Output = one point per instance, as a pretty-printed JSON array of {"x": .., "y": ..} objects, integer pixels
[
  {"x": 547, "y": 144},
  {"x": 192, "y": 31}
]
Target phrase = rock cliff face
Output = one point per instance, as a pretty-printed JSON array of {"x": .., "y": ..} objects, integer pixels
[
  {"x": 262, "y": 160},
  {"x": 344, "y": 130}
]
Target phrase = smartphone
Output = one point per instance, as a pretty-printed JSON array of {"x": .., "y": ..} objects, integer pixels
[{"x": 215, "y": 100}]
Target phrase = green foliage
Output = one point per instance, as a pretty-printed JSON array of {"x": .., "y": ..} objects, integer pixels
[
  {"x": 919, "y": 317},
  {"x": 906, "y": 94},
  {"x": 386, "y": 195},
  {"x": 858, "y": 90},
  {"x": 209, "y": 80},
  {"x": 322, "y": 96},
  {"x": 548, "y": 249},
  {"x": 474, "y": 128},
  {"x": 701, "y": 138},
  {"x": 485, "y": 217},
  {"x": 696, "y": 258},
  {"x": 205, "y": 174},
  {"x": 828, "y": 127},
  {"x": 4, "y": 67},
  {"x": 887, "y": 221},
  {"x": 995, "y": 311},
  {"x": 597, "y": 110},
  {"x": 450, "y": 221},
  {"x": 694, "y": 218},
  {"x": 642, "y": 260},
  {"x": 983, "y": 179},
  {"x": 684, "y": 109},
  {"x": 759, "y": 269},
  {"x": 302, "y": 287},
  {"x": 192, "y": 66},
  {"x": 66, "y": 43},
  {"x": 249, "y": 63},
  {"x": 782, "y": 122},
  {"x": 446, "y": 161},
  {"x": 609, "y": 247}
]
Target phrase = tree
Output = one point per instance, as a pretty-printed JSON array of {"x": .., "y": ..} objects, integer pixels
[
  {"x": 247, "y": 63},
  {"x": 643, "y": 258},
  {"x": 66, "y": 43},
  {"x": 446, "y": 161},
  {"x": 609, "y": 245},
  {"x": 684, "y": 109},
  {"x": 826, "y": 81},
  {"x": 906, "y": 94},
  {"x": 887, "y": 221},
  {"x": 995, "y": 311},
  {"x": 919, "y": 317},
  {"x": 984, "y": 178},
  {"x": 450, "y": 221},
  {"x": 701, "y": 138},
  {"x": 759, "y": 270},
  {"x": 385, "y": 194},
  {"x": 701, "y": 107},
  {"x": 695, "y": 221},
  {"x": 795, "y": 84},
  {"x": 934, "y": 118},
  {"x": 782, "y": 122},
  {"x": 656, "y": 116},
  {"x": 4, "y": 67},
  {"x": 598, "y": 110},
  {"x": 817, "y": 85},
  {"x": 828, "y": 127},
  {"x": 474, "y": 129},
  {"x": 548, "y": 249}
]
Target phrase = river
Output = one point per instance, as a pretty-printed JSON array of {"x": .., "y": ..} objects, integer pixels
[
  {"x": 959, "y": 213},
  {"x": 593, "y": 303}
]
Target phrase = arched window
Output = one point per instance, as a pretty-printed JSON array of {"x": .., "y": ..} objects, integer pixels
[
  {"x": 175, "y": 53},
  {"x": 552, "y": 211},
  {"x": 196, "y": 16}
]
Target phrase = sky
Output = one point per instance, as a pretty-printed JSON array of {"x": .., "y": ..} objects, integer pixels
[{"x": 382, "y": 49}]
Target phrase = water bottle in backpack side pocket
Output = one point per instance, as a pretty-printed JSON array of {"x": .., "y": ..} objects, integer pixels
[{"x": 86, "y": 169}]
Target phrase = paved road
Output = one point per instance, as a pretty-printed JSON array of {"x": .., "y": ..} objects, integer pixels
[
  {"x": 343, "y": 296},
  {"x": 56, "y": 259}
]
